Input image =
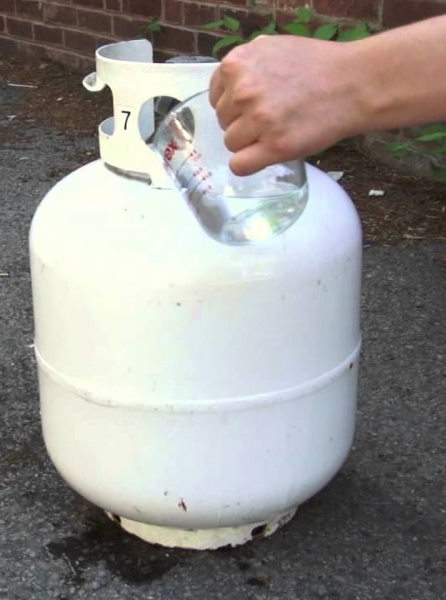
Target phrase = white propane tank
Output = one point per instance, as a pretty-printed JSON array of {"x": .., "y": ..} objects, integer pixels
[{"x": 197, "y": 391}]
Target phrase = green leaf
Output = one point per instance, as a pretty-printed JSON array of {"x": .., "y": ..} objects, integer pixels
[
  {"x": 297, "y": 29},
  {"x": 154, "y": 26},
  {"x": 304, "y": 14},
  {"x": 354, "y": 33},
  {"x": 399, "y": 149},
  {"x": 230, "y": 40},
  {"x": 253, "y": 35},
  {"x": 213, "y": 25},
  {"x": 231, "y": 23},
  {"x": 269, "y": 29},
  {"x": 432, "y": 136},
  {"x": 433, "y": 128},
  {"x": 326, "y": 32}
]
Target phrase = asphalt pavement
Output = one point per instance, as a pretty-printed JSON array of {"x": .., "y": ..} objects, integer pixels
[{"x": 377, "y": 531}]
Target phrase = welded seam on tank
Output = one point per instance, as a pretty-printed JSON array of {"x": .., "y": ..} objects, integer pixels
[{"x": 90, "y": 394}]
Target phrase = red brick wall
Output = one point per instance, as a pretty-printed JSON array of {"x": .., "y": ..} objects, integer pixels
[{"x": 70, "y": 30}]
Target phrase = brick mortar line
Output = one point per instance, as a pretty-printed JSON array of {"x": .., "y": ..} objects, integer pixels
[
  {"x": 243, "y": 9},
  {"x": 381, "y": 12},
  {"x": 79, "y": 6},
  {"x": 212, "y": 4},
  {"x": 103, "y": 11},
  {"x": 63, "y": 4},
  {"x": 224, "y": 6},
  {"x": 163, "y": 11},
  {"x": 59, "y": 48},
  {"x": 345, "y": 20},
  {"x": 16, "y": 17},
  {"x": 90, "y": 33},
  {"x": 96, "y": 11},
  {"x": 191, "y": 28},
  {"x": 61, "y": 27},
  {"x": 32, "y": 21}
]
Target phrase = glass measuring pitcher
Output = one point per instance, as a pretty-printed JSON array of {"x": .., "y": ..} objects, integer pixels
[{"x": 232, "y": 209}]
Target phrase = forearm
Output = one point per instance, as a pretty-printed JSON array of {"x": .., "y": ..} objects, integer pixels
[{"x": 402, "y": 76}]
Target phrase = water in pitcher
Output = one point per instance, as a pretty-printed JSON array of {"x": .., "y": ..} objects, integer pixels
[
  {"x": 248, "y": 209},
  {"x": 232, "y": 209},
  {"x": 262, "y": 218}
]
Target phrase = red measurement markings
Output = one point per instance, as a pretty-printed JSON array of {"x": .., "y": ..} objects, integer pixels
[{"x": 169, "y": 151}]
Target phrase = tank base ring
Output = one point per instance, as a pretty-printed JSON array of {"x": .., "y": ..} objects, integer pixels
[{"x": 204, "y": 539}]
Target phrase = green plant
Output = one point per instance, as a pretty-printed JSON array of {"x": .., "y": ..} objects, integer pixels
[
  {"x": 429, "y": 141},
  {"x": 236, "y": 36},
  {"x": 300, "y": 26},
  {"x": 152, "y": 27}
]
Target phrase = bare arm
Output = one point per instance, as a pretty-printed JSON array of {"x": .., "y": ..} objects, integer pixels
[{"x": 285, "y": 97}]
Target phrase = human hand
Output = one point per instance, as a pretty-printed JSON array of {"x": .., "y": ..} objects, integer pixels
[{"x": 281, "y": 98}]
